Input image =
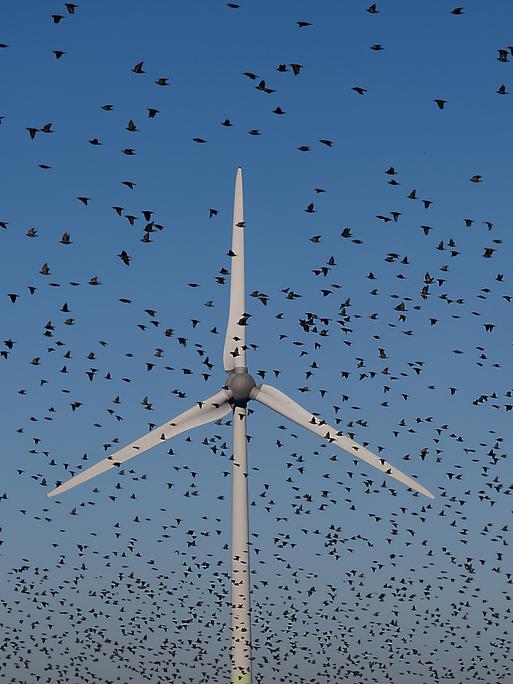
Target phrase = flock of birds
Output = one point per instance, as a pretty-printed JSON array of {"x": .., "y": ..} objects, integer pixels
[{"x": 353, "y": 579}]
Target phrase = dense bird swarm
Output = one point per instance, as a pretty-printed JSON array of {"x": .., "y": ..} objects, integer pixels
[{"x": 379, "y": 291}]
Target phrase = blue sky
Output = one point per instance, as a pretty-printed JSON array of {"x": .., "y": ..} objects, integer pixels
[{"x": 418, "y": 562}]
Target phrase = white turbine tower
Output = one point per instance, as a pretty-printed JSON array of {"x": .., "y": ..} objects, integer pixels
[{"x": 238, "y": 390}]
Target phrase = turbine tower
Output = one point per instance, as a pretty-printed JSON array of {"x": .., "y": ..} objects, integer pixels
[{"x": 238, "y": 390}]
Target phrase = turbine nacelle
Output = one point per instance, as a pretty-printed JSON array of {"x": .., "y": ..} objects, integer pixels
[{"x": 241, "y": 386}]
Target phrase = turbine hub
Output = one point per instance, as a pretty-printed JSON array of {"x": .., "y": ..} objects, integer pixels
[{"x": 240, "y": 383}]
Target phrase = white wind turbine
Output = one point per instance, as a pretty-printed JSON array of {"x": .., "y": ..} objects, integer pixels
[{"x": 238, "y": 390}]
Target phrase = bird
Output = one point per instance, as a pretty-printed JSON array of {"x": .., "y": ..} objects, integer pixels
[{"x": 124, "y": 257}]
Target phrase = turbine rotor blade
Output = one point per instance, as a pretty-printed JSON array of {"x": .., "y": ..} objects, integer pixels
[
  {"x": 284, "y": 405},
  {"x": 207, "y": 411},
  {"x": 235, "y": 341}
]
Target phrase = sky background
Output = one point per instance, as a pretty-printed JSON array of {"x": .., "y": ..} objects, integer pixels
[{"x": 125, "y": 579}]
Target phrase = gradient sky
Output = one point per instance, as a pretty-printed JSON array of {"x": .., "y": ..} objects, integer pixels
[{"x": 416, "y": 591}]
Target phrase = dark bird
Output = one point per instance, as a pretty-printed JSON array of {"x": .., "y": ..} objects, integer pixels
[
  {"x": 124, "y": 257},
  {"x": 263, "y": 87},
  {"x": 441, "y": 103}
]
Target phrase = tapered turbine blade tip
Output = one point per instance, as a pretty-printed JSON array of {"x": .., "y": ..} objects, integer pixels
[{"x": 61, "y": 488}]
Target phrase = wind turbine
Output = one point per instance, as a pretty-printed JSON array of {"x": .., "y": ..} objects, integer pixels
[{"x": 238, "y": 390}]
